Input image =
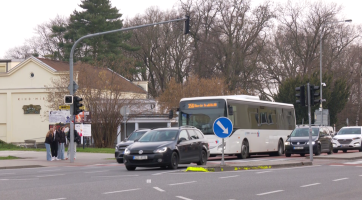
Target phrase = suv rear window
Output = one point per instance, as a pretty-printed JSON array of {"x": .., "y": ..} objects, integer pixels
[{"x": 349, "y": 131}]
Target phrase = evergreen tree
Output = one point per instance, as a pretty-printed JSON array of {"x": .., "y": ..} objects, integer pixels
[
  {"x": 336, "y": 94},
  {"x": 96, "y": 16}
]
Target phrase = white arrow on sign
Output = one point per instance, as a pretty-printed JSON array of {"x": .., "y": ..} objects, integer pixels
[{"x": 225, "y": 130}]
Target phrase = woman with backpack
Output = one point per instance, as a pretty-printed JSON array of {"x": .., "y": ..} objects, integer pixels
[{"x": 48, "y": 141}]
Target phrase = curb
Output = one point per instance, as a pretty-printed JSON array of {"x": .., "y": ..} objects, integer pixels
[
  {"x": 22, "y": 166},
  {"x": 246, "y": 167}
]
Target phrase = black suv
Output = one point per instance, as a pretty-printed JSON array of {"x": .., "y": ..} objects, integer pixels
[
  {"x": 298, "y": 141},
  {"x": 168, "y": 147},
  {"x": 120, "y": 147}
]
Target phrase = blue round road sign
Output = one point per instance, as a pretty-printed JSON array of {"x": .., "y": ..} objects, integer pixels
[{"x": 222, "y": 127}]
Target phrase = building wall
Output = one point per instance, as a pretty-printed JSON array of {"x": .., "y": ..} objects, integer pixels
[{"x": 3, "y": 114}]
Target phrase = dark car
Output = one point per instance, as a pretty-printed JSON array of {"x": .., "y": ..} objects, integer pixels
[
  {"x": 120, "y": 147},
  {"x": 168, "y": 147},
  {"x": 298, "y": 141}
]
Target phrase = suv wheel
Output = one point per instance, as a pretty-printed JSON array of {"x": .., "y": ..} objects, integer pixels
[
  {"x": 203, "y": 158},
  {"x": 119, "y": 160},
  {"x": 360, "y": 150},
  {"x": 130, "y": 168},
  {"x": 335, "y": 150},
  {"x": 344, "y": 151},
  {"x": 318, "y": 150},
  {"x": 174, "y": 161}
]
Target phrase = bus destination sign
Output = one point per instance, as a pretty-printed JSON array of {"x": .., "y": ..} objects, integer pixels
[{"x": 202, "y": 105}]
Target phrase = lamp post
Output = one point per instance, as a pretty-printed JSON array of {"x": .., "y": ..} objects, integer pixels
[{"x": 320, "y": 64}]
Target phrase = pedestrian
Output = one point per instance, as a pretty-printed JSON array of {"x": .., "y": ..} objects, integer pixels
[
  {"x": 76, "y": 141},
  {"x": 48, "y": 141},
  {"x": 61, "y": 139},
  {"x": 54, "y": 145}
]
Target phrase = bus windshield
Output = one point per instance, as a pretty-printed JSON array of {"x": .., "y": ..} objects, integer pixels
[{"x": 201, "y": 114}]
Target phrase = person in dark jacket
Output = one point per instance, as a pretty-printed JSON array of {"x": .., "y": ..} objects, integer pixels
[
  {"x": 61, "y": 142},
  {"x": 54, "y": 145},
  {"x": 48, "y": 141},
  {"x": 76, "y": 141}
]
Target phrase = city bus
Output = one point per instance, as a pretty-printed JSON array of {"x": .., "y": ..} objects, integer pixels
[{"x": 259, "y": 127}]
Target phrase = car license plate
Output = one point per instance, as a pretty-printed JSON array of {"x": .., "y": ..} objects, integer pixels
[
  {"x": 345, "y": 145},
  {"x": 298, "y": 147},
  {"x": 139, "y": 157}
]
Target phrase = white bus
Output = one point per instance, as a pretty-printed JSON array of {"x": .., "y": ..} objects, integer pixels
[{"x": 260, "y": 127}]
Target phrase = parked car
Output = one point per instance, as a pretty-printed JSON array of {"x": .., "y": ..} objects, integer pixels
[
  {"x": 298, "y": 141},
  {"x": 168, "y": 147},
  {"x": 120, "y": 147},
  {"x": 348, "y": 138}
]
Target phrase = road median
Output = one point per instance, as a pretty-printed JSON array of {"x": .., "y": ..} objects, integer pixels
[{"x": 246, "y": 166}]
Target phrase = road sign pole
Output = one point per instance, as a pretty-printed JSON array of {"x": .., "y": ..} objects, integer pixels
[
  {"x": 310, "y": 126},
  {"x": 222, "y": 156}
]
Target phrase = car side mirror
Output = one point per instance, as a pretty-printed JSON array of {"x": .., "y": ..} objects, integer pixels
[{"x": 181, "y": 140}]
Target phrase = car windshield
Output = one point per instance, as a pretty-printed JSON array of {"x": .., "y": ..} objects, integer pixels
[
  {"x": 304, "y": 132},
  {"x": 136, "y": 135},
  {"x": 159, "y": 135},
  {"x": 349, "y": 131}
]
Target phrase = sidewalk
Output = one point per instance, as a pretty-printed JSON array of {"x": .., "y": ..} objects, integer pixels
[{"x": 31, "y": 159}]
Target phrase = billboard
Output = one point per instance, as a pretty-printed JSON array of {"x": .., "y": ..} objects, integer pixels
[
  {"x": 63, "y": 117},
  {"x": 84, "y": 129},
  {"x": 83, "y": 117}
]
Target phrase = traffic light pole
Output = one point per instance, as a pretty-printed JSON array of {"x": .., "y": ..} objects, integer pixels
[
  {"x": 310, "y": 126},
  {"x": 71, "y": 92}
]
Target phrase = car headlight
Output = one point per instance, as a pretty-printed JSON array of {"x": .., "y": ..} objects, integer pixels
[
  {"x": 287, "y": 143},
  {"x": 356, "y": 138},
  {"x": 127, "y": 151},
  {"x": 116, "y": 148},
  {"x": 312, "y": 143},
  {"x": 161, "y": 150}
]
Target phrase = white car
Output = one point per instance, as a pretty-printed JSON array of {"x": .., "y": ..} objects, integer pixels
[{"x": 348, "y": 138}]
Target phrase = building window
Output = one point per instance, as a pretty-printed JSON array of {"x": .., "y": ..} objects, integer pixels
[{"x": 31, "y": 75}]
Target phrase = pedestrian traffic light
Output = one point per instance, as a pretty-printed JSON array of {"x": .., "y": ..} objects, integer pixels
[
  {"x": 68, "y": 99},
  {"x": 301, "y": 95},
  {"x": 314, "y": 94},
  {"x": 77, "y": 104},
  {"x": 187, "y": 25}
]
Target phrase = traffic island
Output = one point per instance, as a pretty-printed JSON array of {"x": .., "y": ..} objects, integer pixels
[
  {"x": 341, "y": 156},
  {"x": 247, "y": 166}
]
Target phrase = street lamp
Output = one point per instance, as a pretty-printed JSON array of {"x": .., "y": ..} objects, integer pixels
[{"x": 320, "y": 65}]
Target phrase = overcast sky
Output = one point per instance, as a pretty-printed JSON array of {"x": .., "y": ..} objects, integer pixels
[{"x": 18, "y": 18}]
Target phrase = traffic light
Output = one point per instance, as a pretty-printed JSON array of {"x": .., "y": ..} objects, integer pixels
[
  {"x": 301, "y": 95},
  {"x": 314, "y": 94},
  {"x": 68, "y": 99},
  {"x": 77, "y": 104},
  {"x": 187, "y": 25}
]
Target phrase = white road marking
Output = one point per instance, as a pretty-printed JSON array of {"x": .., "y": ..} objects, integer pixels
[
  {"x": 184, "y": 198},
  {"x": 116, "y": 176},
  {"x": 159, "y": 189},
  {"x": 182, "y": 183},
  {"x": 51, "y": 170},
  {"x": 336, "y": 165},
  {"x": 58, "y": 199},
  {"x": 165, "y": 172},
  {"x": 354, "y": 163},
  {"x": 310, "y": 185},
  {"x": 262, "y": 172},
  {"x": 341, "y": 179},
  {"x": 229, "y": 176},
  {"x": 121, "y": 191},
  {"x": 95, "y": 171},
  {"x": 148, "y": 181},
  {"x": 50, "y": 175},
  {"x": 28, "y": 179},
  {"x": 261, "y": 194}
]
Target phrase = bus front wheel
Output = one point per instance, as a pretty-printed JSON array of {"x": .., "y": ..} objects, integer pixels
[{"x": 245, "y": 150}]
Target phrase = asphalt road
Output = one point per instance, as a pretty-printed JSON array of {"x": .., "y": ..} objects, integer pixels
[{"x": 113, "y": 181}]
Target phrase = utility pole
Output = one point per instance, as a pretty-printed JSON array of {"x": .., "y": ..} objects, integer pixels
[
  {"x": 71, "y": 92},
  {"x": 310, "y": 124},
  {"x": 359, "y": 92}
]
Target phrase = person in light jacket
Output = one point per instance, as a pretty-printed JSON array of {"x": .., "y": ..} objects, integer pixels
[
  {"x": 61, "y": 142},
  {"x": 48, "y": 141}
]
